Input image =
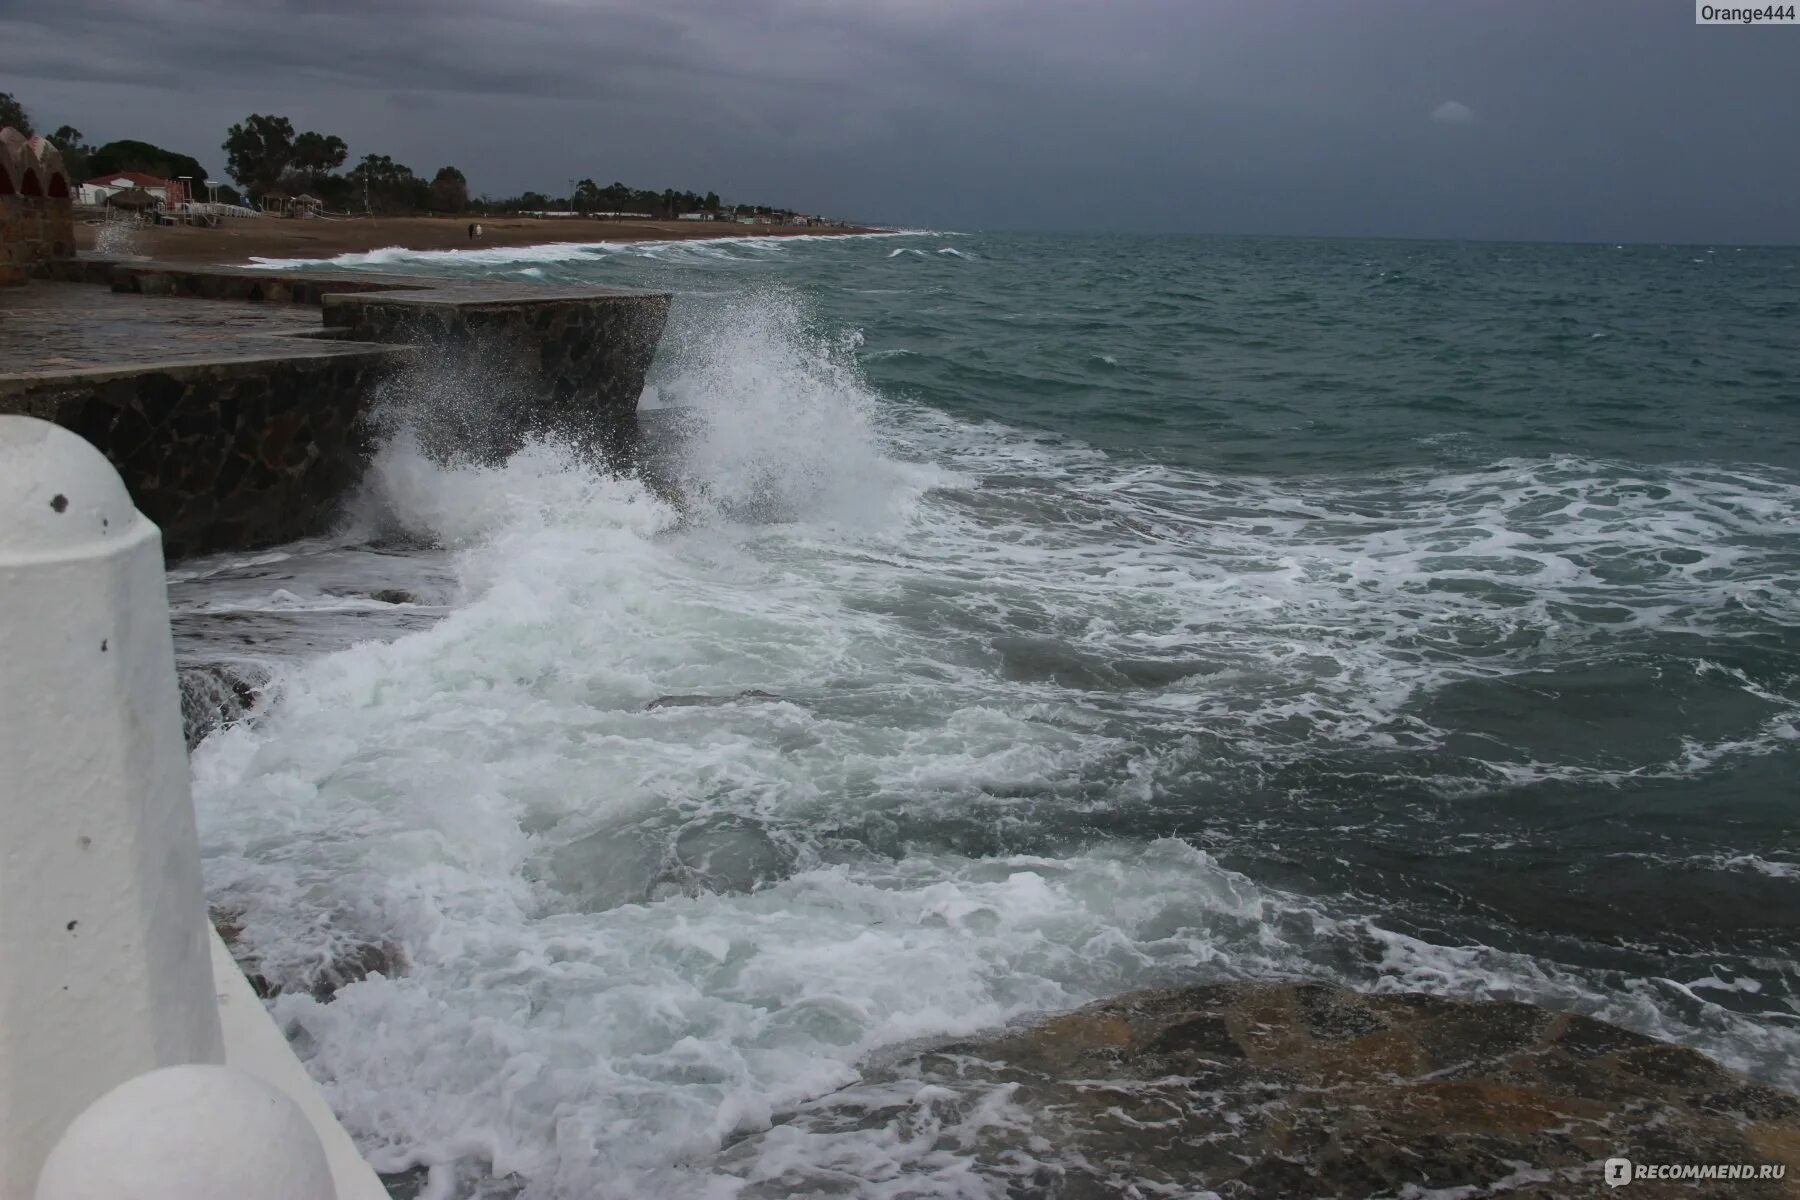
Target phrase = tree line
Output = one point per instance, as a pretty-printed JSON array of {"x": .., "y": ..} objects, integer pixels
[
  {"x": 272, "y": 162},
  {"x": 83, "y": 161},
  {"x": 590, "y": 198},
  {"x": 268, "y": 158}
]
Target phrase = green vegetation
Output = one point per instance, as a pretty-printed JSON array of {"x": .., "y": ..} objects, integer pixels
[
  {"x": 275, "y": 164},
  {"x": 272, "y": 161},
  {"x": 590, "y": 197},
  {"x": 140, "y": 156},
  {"x": 449, "y": 191},
  {"x": 83, "y": 162},
  {"x": 77, "y": 155},
  {"x": 616, "y": 197},
  {"x": 383, "y": 185},
  {"x": 13, "y": 113},
  {"x": 316, "y": 156},
  {"x": 259, "y": 154}
]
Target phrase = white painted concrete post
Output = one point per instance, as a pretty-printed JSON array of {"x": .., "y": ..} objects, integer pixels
[
  {"x": 104, "y": 955},
  {"x": 189, "y": 1133}
]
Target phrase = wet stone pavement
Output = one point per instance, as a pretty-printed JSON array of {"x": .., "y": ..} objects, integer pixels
[{"x": 48, "y": 328}]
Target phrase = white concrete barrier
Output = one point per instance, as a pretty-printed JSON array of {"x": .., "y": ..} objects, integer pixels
[
  {"x": 107, "y": 959},
  {"x": 189, "y": 1133},
  {"x": 105, "y": 971},
  {"x": 254, "y": 1044}
]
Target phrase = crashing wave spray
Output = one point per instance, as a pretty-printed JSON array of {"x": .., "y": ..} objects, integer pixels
[{"x": 777, "y": 423}]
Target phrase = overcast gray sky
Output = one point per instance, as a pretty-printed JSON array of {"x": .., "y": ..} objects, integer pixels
[{"x": 1606, "y": 120}]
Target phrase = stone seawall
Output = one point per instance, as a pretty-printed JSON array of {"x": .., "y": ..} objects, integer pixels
[
  {"x": 502, "y": 365},
  {"x": 240, "y": 406},
  {"x": 226, "y": 455}
]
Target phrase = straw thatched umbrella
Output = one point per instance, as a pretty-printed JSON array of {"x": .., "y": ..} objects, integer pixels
[{"x": 134, "y": 199}]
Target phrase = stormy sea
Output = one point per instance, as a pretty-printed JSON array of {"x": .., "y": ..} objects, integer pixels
[{"x": 1043, "y": 617}]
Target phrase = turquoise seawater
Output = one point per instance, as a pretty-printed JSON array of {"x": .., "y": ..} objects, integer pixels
[{"x": 1131, "y": 610}]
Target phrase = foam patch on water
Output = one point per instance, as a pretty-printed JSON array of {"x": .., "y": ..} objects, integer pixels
[
  {"x": 1339, "y": 606},
  {"x": 562, "y": 252}
]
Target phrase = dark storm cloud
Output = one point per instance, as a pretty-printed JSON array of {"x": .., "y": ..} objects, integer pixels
[
  {"x": 468, "y": 48},
  {"x": 1605, "y": 120}
]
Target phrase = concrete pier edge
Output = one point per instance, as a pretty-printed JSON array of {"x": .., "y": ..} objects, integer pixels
[{"x": 238, "y": 422}]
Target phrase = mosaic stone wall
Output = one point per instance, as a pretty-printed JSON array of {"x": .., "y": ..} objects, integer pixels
[{"x": 37, "y": 215}]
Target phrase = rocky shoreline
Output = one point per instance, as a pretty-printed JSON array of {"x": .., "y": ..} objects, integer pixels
[
  {"x": 1276, "y": 1091},
  {"x": 1285, "y": 1090}
]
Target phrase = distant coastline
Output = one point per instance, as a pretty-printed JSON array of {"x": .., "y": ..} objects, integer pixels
[{"x": 237, "y": 241}]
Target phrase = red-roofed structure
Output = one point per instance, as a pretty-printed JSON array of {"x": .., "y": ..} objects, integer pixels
[{"x": 170, "y": 191}]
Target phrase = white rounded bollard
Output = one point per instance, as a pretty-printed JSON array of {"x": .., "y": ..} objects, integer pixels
[
  {"x": 104, "y": 950},
  {"x": 189, "y": 1133}
]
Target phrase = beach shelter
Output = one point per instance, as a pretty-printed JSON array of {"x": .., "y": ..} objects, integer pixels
[{"x": 133, "y": 199}]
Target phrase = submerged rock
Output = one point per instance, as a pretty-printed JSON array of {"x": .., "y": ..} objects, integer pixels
[
  {"x": 354, "y": 961},
  {"x": 1304, "y": 1090}
]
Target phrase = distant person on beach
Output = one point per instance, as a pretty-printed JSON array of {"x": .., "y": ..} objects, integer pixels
[{"x": 471, "y": 231}]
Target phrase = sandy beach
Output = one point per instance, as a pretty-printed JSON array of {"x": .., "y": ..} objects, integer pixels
[{"x": 275, "y": 237}]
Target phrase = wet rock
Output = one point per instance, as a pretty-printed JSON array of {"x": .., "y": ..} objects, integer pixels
[
  {"x": 231, "y": 931},
  {"x": 409, "y": 1184},
  {"x": 1291, "y": 1089},
  {"x": 393, "y": 596},
  {"x": 322, "y": 980},
  {"x": 214, "y": 695},
  {"x": 415, "y": 1183},
  {"x": 699, "y": 701},
  {"x": 353, "y": 964}
]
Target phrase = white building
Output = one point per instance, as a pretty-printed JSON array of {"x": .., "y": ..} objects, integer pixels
[{"x": 95, "y": 191}]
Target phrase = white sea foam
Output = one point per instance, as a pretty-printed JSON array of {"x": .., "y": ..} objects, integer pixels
[
  {"x": 555, "y": 252},
  {"x": 485, "y": 256},
  {"x": 283, "y": 600},
  {"x": 1342, "y": 606},
  {"x": 1756, "y": 863}
]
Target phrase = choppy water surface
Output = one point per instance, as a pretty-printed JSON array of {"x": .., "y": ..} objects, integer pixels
[{"x": 1054, "y": 616}]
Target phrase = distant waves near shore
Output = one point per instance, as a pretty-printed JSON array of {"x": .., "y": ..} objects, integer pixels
[{"x": 237, "y": 241}]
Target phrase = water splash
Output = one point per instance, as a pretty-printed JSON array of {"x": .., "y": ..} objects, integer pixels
[
  {"x": 119, "y": 236},
  {"x": 782, "y": 424}
]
